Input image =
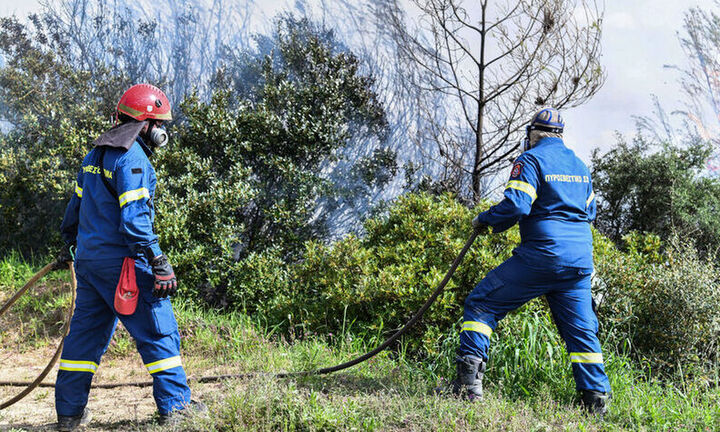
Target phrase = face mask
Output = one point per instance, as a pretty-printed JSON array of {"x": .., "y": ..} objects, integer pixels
[{"x": 157, "y": 136}]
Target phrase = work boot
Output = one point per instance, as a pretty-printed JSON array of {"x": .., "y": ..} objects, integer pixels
[
  {"x": 71, "y": 423},
  {"x": 595, "y": 402},
  {"x": 177, "y": 416},
  {"x": 468, "y": 383}
]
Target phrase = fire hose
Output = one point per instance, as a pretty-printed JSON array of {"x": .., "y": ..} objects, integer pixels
[{"x": 30, "y": 386}]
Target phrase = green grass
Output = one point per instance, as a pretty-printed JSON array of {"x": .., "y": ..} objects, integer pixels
[
  {"x": 529, "y": 385},
  {"x": 391, "y": 391},
  {"x": 40, "y": 313}
]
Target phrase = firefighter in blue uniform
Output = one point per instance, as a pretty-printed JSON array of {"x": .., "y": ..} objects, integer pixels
[
  {"x": 550, "y": 194},
  {"x": 110, "y": 217}
]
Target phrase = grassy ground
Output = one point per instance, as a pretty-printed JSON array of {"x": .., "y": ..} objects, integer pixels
[{"x": 389, "y": 392}]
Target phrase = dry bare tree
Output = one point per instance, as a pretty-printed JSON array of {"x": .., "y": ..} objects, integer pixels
[
  {"x": 483, "y": 67},
  {"x": 700, "y": 80}
]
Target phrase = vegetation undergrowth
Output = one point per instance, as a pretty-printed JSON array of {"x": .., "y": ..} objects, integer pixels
[
  {"x": 40, "y": 313},
  {"x": 529, "y": 385}
]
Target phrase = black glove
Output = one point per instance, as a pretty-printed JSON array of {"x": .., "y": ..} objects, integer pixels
[
  {"x": 165, "y": 281},
  {"x": 480, "y": 227},
  {"x": 67, "y": 254}
]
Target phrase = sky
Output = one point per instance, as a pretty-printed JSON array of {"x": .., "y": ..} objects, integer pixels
[{"x": 640, "y": 37}]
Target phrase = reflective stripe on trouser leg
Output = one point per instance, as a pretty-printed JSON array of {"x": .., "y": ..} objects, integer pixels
[
  {"x": 164, "y": 364},
  {"x": 78, "y": 366},
  {"x": 476, "y": 326},
  {"x": 475, "y": 334},
  {"x": 578, "y": 325},
  {"x": 592, "y": 357}
]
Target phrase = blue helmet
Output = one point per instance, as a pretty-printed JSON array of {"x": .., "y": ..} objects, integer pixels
[{"x": 547, "y": 120}]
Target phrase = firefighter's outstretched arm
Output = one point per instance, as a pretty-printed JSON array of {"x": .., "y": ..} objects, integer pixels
[{"x": 520, "y": 193}]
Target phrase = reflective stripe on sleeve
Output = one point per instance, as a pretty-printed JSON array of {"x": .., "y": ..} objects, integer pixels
[
  {"x": 476, "y": 327},
  {"x": 164, "y": 364},
  {"x": 78, "y": 191},
  {"x": 523, "y": 187},
  {"x": 133, "y": 195},
  {"x": 586, "y": 357},
  {"x": 589, "y": 200},
  {"x": 78, "y": 366}
]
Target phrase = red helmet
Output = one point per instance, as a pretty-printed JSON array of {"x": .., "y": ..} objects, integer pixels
[{"x": 144, "y": 101}]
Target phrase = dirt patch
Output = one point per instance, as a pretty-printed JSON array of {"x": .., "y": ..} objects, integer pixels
[{"x": 119, "y": 409}]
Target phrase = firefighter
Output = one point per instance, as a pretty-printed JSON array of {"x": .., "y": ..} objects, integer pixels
[
  {"x": 550, "y": 194},
  {"x": 108, "y": 223}
]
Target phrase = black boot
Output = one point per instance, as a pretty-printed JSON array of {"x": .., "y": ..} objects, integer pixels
[
  {"x": 470, "y": 371},
  {"x": 595, "y": 402},
  {"x": 71, "y": 423}
]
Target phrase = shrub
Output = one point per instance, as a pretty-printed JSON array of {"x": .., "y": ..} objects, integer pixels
[
  {"x": 657, "y": 187},
  {"x": 662, "y": 308},
  {"x": 377, "y": 282}
]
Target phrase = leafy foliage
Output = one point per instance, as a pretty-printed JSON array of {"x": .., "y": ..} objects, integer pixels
[
  {"x": 250, "y": 174},
  {"x": 54, "y": 111},
  {"x": 330, "y": 120},
  {"x": 381, "y": 279},
  {"x": 660, "y": 307},
  {"x": 244, "y": 174},
  {"x": 661, "y": 192},
  {"x": 655, "y": 305}
]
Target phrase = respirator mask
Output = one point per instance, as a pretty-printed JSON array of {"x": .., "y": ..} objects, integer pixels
[{"x": 157, "y": 135}]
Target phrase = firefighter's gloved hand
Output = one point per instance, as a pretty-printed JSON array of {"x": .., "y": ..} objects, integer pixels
[
  {"x": 165, "y": 281},
  {"x": 67, "y": 254},
  {"x": 480, "y": 227}
]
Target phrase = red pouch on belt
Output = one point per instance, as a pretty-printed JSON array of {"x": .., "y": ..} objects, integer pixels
[{"x": 127, "y": 293}]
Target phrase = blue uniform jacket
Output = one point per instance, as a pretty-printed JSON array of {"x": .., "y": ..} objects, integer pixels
[
  {"x": 113, "y": 222},
  {"x": 550, "y": 193}
]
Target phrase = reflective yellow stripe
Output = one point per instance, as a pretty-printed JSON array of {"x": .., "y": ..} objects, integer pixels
[
  {"x": 128, "y": 110},
  {"x": 523, "y": 187},
  {"x": 162, "y": 365},
  {"x": 586, "y": 357},
  {"x": 589, "y": 200},
  {"x": 166, "y": 116},
  {"x": 78, "y": 366},
  {"x": 133, "y": 195},
  {"x": 78, "y": 191},
  {"x": 476, "y": 327},
  {"x": 136, "y": 113}
]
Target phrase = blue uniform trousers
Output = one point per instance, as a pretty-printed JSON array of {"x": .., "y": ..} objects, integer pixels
[
  {"x": 567, "y": 290},
  {"x": 153, "y": 327}
]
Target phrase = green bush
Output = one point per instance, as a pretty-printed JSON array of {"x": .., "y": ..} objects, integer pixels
[
  {"x": 374, "y": 284},
  {"x": 657, "y": 187},
  {"x": 662, "y": 308}
]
